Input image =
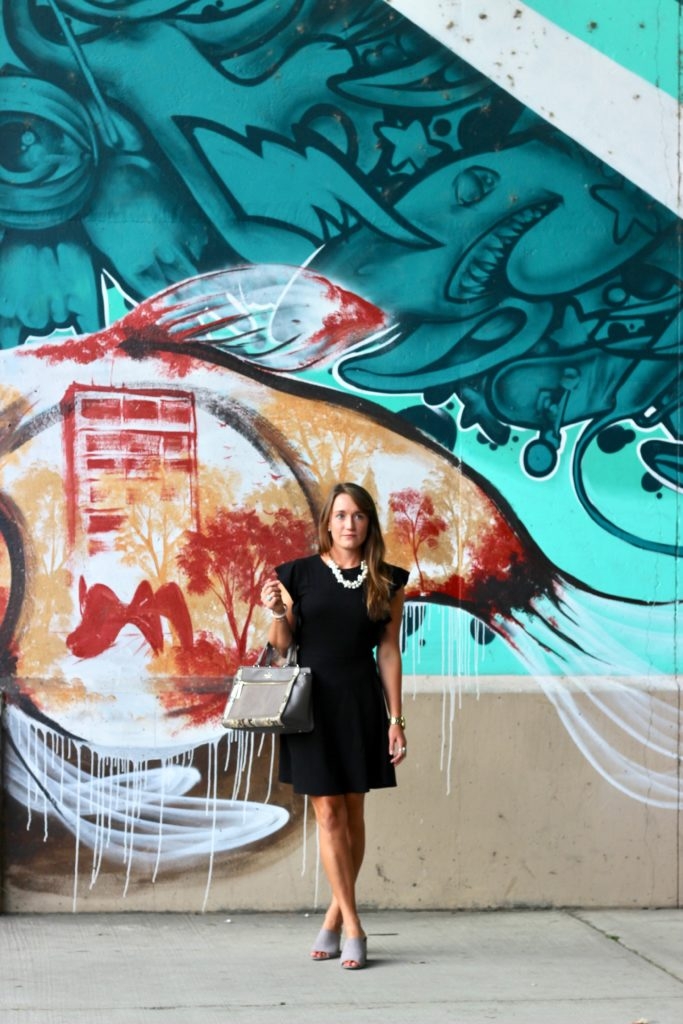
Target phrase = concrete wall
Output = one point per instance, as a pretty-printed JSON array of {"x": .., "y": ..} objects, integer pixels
[
  {"x": 246, "y": 253},
  {"x": 501, "y": 811}
]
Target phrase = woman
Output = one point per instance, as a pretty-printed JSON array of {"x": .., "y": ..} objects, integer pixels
[{"x": 338, "y": 606}]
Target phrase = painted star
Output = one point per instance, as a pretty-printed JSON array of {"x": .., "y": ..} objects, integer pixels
[
  {"x": 628, "y": 209},
  {"x": 411, "y": 145}
]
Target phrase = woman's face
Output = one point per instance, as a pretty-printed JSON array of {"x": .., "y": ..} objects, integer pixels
[{"x": 347, "y": 525}]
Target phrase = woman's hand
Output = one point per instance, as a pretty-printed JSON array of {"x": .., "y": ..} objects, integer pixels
[
  {"x": 271, "y": 597},
  {"x": 398, "y": 748}
]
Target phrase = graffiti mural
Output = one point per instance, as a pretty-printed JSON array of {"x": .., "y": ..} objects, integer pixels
[{"x": 248, "y": 250}]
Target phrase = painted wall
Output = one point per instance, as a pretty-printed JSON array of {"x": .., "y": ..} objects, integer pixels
[{"x": 248, "y": 250}]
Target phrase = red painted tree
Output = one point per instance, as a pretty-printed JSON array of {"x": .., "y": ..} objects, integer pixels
[
  {"x": 416, "y": 523},
  {"x": 233, "y": 556}
]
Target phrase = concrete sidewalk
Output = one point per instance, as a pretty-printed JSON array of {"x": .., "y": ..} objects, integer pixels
[{"x": 530, "y": 967}]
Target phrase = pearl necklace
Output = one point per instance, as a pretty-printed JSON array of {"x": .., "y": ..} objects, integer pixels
[{"x": 349, "y": 584}]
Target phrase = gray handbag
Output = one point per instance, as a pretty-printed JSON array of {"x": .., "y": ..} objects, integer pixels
[{"x": 271, "y": 698}]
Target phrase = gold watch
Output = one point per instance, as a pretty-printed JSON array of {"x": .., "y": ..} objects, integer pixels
[{"x": 397, "y": 720}]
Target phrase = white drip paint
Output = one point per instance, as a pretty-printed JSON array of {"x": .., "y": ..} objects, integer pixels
[
  {"x": 228, "y": 750},
  {"x": 271, "y": 771},
  {"x": 250, "y": 762},
  {"x": 45, "y": 749},
  {"x": 600, "y": 714},
  {"x": 212, "y": 782},
  {"x": 134, "y": 809},
  {"x": 78, "y": 829},
  {"x": 161, "y": 825},
  {"x": 603, "y": 712}
]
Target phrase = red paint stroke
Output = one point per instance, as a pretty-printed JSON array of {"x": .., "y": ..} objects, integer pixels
[
  {"x": 170, "y": 602},
  {"x": 141, "y": 327},
  {"x": 105, "y": 522},
  {"x": 352, "y": 320},
  {"x": 83, "y": 349},
  {"x": 199, "y": 692},
  {"x": 196, "y": 706},
  {"x": 504, "y": 576},
  {"x": 103, "y": 616}
]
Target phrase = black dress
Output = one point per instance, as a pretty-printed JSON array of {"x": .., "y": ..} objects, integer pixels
[{"x": 347, "y": 751}]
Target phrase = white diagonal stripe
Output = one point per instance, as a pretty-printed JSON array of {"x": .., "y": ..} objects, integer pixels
[{"x": 614, "y": 113}]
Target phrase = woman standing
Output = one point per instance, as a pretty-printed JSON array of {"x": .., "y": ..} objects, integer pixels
[{"x": 339, "y": 606}]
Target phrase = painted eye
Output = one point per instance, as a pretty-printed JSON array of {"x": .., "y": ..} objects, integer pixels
[
  {"x": 472, "y": 185},
  {"x": 48, "y": 155}
]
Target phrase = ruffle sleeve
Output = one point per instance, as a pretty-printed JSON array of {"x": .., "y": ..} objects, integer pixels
[{"x": 399, "y": 578}]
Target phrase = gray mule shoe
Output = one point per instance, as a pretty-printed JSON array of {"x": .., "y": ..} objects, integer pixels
[
  {"x": 355, "y": 953},
  {"x": 327, "y": 942}
]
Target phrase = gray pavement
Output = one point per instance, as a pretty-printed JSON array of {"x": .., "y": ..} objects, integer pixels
[{"x": 531, "y": 967}]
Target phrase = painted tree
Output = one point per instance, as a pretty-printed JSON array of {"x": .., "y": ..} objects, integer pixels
[
  {"x": 154, "y": 521},
  {"x": 232, "y": 556},
  {"x": 333, "y": 451},
  {"x": 416, "y": 523},
  {"x": 40, "y": 495}
]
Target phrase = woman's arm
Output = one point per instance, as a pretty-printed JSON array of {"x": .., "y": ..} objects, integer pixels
[
  {"x": 281, "y": 630},
  {"x": 391, "y": 674}
]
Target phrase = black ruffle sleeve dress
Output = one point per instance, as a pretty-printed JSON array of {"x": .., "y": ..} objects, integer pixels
[{"x": 347, "y": 751}]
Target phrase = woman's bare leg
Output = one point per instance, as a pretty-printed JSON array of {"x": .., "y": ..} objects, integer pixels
[
  {"x": 355, "y": 810},
  {"x": 341, "y": 829}
]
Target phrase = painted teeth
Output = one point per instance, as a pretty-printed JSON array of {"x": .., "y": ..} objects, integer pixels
[
  {"x": 488, "y": 256},
  {"x": 479, "y": 272}
]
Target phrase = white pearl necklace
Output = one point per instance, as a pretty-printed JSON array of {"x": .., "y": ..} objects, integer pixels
[{"x": 349, "y": 584}]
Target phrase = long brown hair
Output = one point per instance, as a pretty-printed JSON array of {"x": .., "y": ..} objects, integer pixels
[{"x": 377, "y": 585}]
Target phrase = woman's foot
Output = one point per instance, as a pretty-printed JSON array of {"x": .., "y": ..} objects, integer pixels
[
  {"x": 327, "y": 945},
  {"x": 355, "y": 953}
]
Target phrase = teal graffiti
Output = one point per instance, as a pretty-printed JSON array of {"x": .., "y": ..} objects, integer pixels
[{"x": 529, "y": 286}]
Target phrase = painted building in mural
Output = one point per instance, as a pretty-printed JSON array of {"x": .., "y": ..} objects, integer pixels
[{"x": 249, "y": 250}]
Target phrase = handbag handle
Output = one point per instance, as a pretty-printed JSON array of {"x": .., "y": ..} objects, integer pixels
[{"x": 265, "y": 658}]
